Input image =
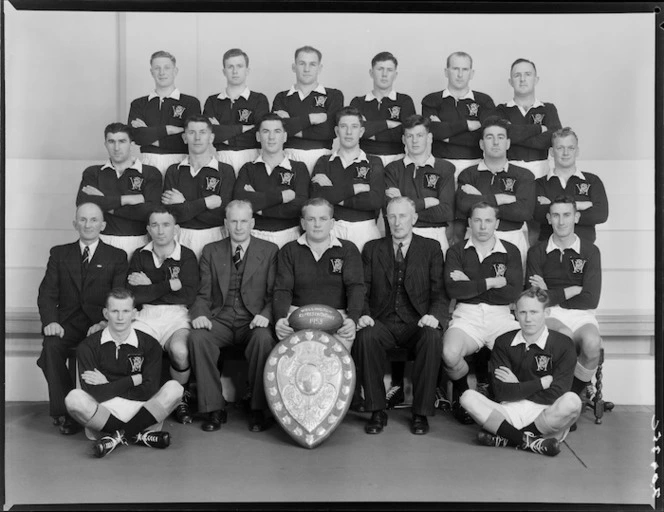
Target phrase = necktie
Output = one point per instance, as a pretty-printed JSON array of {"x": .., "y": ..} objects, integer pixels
[
  {"x": 237, "y": 257},
  {"x": 399, "y": 256},
  {"x": 85, "y": 261}
]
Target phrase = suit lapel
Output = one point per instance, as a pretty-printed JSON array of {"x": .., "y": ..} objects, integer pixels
[
  {"x": 413, "y": 250},
  {"x": 254, "y": 258},
  {"x": 222, "y": 262},
  {"x": 73, "y": 263},
  {"x": 387, "y": 259}
]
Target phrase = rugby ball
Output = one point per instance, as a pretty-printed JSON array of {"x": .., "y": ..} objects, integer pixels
[{"x": 316, "y": 316}]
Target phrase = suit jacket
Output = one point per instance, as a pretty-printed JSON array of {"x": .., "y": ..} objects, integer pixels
[
  {"x": 63, "y": 291},
  {"x": 423, "y": 280},
  {"x": 260, "y": 269}
]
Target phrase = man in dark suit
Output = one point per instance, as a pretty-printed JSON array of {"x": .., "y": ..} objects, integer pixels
[
  {"x": 405, "y": 306},
  {"x": 233, "y": 308},
  {"x": 71, "y": 299}
]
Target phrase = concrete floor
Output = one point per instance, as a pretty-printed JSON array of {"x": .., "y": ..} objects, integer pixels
[{"x": 599, "y": 464}]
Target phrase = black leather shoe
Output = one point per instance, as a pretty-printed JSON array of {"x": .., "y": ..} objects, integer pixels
[
  {"x": 377, "y": 422},
  {"x": 69, "y": 427},
  {"x": 214, "y": 421},
  {"x": 461, "y": 415},
  {"x": 419, "y": 425},
  {"x": 258, "y": 422},
  {"x": 57, "y": 420}
]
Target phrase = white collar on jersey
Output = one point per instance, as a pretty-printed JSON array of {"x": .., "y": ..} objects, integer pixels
[
  {"x": 174, "y": 95},
  {"x": 223, "y": 95},
  {"x": 370, "y": 96}
]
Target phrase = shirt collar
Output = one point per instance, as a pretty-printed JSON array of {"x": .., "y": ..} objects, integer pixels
[
  {"x": 213, "y": 164},
  {"x": 512, "y": 103},
  {"x": 551, "y": 245},
  {"x": 497, "y": 246},
  {"x": 319, "y": 89},
  {"x": 244, "y": 245},
  {"x": 468, "y": 96},
  {"x": 93, "y": 247},
  {"x": 334, "y": 242},
  {"x": 370, "y": 96},
  {"x": 175, "y": 95},
  {"x": 540, "y": 342},
  {"x": 132, "y": 339},
  {"x": 431, "y": 161},
  {"x": 285, "y": 164},
  {"x": 137, "y": 165},
  {"x": 405, "y": 244},
  {"x": 483, "y": 167},
  {"x": 361, "y": 157},
  {"x": 223, "y": 95},
  {"x": 175, "y": 255},
  {"x": 576, "y": 173}
]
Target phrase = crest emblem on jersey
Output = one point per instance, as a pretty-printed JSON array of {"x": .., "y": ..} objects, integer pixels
[
  {"x": 211, "y": 183},
  {"x": 577, "y": 265},
  {"x": 362, "y": 172},
  {"x": 286, "y": 177},
  {"x": 336, "y": 265},
  {"x": 542, "y": 363},
  {"x": 320, "y": 101},
  {"x": 136, "y": 363},
  {"x": 178, "y": 111},
  {"x": 136, "y": 182},
  {"x": 583, "y": 188},
  {"x": 473, "y": 109},
  {"x": 499, "y": 269},
  {"x": 431, "y": 180},
  {"x": 174, "y": 272},
  {"x": 537, "y": 118},
  {"x": 509, "y": 183},
  {"x": 394, "y": 112},
  {"x": 243, "y": 115}
]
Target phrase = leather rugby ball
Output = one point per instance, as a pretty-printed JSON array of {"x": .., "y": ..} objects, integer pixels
[{"x": 316, "y": 316}]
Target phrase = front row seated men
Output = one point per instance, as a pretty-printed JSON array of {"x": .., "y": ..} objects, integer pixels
[
  {"x": 405, "y": 306},
  {"x": 119, "y": 369},
  {"x": 531, "y": 372},
  {"x": 233, "y": 308},
  {"x": 163, "y": 276}
]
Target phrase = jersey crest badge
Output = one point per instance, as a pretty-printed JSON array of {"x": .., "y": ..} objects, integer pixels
[
  {"x": 537, "y": 118},
  {"x": 286, "y": 178},
  {"x": 542, "y": 363},
  {"x": 431, "y": 180},
  {"x": 394, "y": 112},
  {"x": 509, "y": 183},
  {"x": 211, "y": 183},
  {"x": 499, "y": 269},
  {"x": 320, "y": 101},
  {"x": 174, "y": 272},
  {"x": 362, "y": 172},
  {"x": 136, "y": 363},
  {"x": 583, "y": 188},
  {"x": 577, "y": 265},
  {"x": 473, "y": 109},
  {"x": 336, "y": 265},
  {"x": 178, "y": 111},
  {"x": 243, "y": 115},
  {"x": 136, "y": 182}
]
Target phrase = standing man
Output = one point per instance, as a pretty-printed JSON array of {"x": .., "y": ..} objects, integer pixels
[
  {"x": 352, "y": 181},
  {"x": 235, "y": 113},
  {"x": 119, "y": 369},
  {"x": 276, "y": 186},
  {"x": 158, "y": 118},
  {"x": 318, "y": 268},
  {"x": 485, "y": 276},
  {"x": 565, "y": 179},
  {"x": 198, "y": 189},
  {"x": 309, "y": 109},
  {"x": 233, "y": 308},
  {"x": 531, "y": 371},
  {"x": 125, "y": 189},
  {"x": 405, "y": 306},
  {"x": 570, "y": 268},
  {"x": 71, "y": 298},
  {"x": 164, "y": 279}
]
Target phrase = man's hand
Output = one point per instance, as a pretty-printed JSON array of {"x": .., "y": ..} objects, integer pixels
[
  {"x": 287, "y": 195},
  {"x": 430, "y": 202},
  {"x": 212, "y": 202},
  {"x": 505, "y": 199},
  {"x": 317, "y": 118},
  {"x": 393, "y": 124},
  {"x": 137, "y": 378},
  {"x": 434, "y": 118},
  {"x": 173, "y": 196},
  {"x": 504, "y": 374},
  {"x": 283, "y": 328},
  {"x": 473, "y": 125},
  {"x": 358, "y": 188},
  {"x": 130, "y": 199},
  {"x": 537, "y": 282},
  {"x": 247, "y": 127},
  {"x": 259, "y": 321},
  {"x": 175, "y": 284},
  {"x": 428, "y": 321},
  {"x": 54, "y": 329},
  {"x": 583, "y": 205},
  {"x": 92, "y": 191},
  {"x": 138, "y": 123},
  {"x": 392, "y": 192},
  {"x": 347, "y": 329},
  {"x": 214, "y": 120},
  {"x": 546, "y": 381},
  {"x": 282, "y": 113},
  {"x": 97, "y": 327},
  {"x": 201, "y": 322},
  {"x": 321, "y": 180},
  {"x": 544, "y": 128},
  {"x": 249, "y": 188},
  {"x": 459, "y": 275},
  {"x": 572, "y": 291},
  {"x": 365, "y": 321},
  {"x": 470, "y": 190},
  {"x": 139, "y": 279},
  {"x": 172, "y": 130},
  {"x": 543, "y": 200},
  {"x": 94, "y": 377},
  {"x": 495, "y": 282}
]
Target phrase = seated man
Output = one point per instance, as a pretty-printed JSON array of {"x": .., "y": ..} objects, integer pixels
[
  {"x": 164, "y": 279},
  {"x": 71, "y": 299},
  {"x": 120, "y": 369},
  {"x": 125, "y": 189},
  {"x": 531, "y": 372},
  {"x": 351, "y": 181},
  {"x": 276, "y": 186},
  {"x": 484, "y": 275},
  {"x": 319, "y": 268},
  {"x": 569, "y": 267},
  {"x": 233, "y": 308},
  {"x": 198, "y": 189},
  {"x": 405, "y": 306}
]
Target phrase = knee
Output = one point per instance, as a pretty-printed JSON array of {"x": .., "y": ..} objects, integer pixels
[
  {"x": 570, "y": 404},
  {"x": 452, "y": 352},
  {"x": 178, "y": 351},
  {"x": 468, "y": 399},
  {"x": 262, "y": 337},
  {"x": 75, "y": 400},
  {"x": 172, "y": 391},
  {"x": 591, "y": 344}
]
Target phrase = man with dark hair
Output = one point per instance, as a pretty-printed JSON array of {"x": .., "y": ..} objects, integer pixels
[
  {"x": 531, "y": 373},
  {"x": 125, "y": 189},
  {"x": 119, "y": 370},
  {"x": 71, "y": 298},
  {"x": 352, "y": 181},
  {"x": 158, "y": 119},
  {"x": 570, "y": 268},
  {"x": 235, "y": 113},
  {"x": 309, "y": 109},
  {"x": 198, "y": 189},
  {"x": 276, "y": 186}
]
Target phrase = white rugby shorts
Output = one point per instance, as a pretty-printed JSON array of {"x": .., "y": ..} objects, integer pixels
[
  {"x": 483, "y": 322},
  {"x": 162, "y": 320}
]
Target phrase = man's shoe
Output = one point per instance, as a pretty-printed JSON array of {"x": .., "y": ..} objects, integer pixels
[
  {"x": 419, "y": 425},
  {"x": 461, "y": 415},
  {"x": 57, "y": 420},
  {"x": 107, "y": 444},
  {"x": 214, "y": 420},
  {"x": 483, "y": 388},
  {"x": 394, "y": 396},
  {"x": 537, "y": 444},
  {"x": 377, "y": 422},
  {"x": 153, "y": 439},
  {"x": 69, "y": 427},
  {"x": 441, "y": 402},
  {"x": 489, "y": 439},
  {"x": 259, "y": 422},
  {"x": 182, "y": 412}
]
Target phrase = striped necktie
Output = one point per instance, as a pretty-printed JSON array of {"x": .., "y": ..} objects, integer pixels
[
  {"x": 237, "y": 257},
  {"x": 399, "y": 255},
  {"x": 85, "y": 260}
]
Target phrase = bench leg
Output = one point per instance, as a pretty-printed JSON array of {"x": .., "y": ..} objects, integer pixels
[{"x": 598, "y": 403}]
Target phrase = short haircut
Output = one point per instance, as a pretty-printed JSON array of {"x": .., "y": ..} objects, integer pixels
[
  {"x": 563, "y": 199},
  {"x": 534, "y": 292},
  {"x": 164, "y": 54},
  {"x": 564, "y": 132},
  {"x": 317, "y": 201},
  {"x": 117, "y": 128},
  {"x": 78, "y": 207},
  {"x": 496, "y": 121},
  {"x": 382, "y": 57},
  {"x": 519, "y": 61},
  {"x": 458, "y": 54},
  {"x": 271, "y": 116},
  {"x": 197, "y": 118},
  {"x": 160, "y": 210},
  {"x": 239, "y": 203},
  {"x": 349, "y": 111},
  {"x": 308, "y": 49},
  {"x": 234, "y": 52},
  {"x": 402, "y": 199},
  {"x": 481, "y": 205},
  {"x": 416, "y": 120},
  {"x": 120, "y": 294}
]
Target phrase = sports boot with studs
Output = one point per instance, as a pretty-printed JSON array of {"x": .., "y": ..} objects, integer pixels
[
  {"x": 107, "y": 444},
  {"x": 153, "y": 439}
]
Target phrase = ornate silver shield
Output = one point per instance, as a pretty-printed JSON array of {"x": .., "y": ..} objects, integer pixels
[{"x": 309, "y": 381}]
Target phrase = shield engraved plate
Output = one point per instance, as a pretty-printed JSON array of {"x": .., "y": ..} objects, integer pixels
[{"x": 309, "y": 381}]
